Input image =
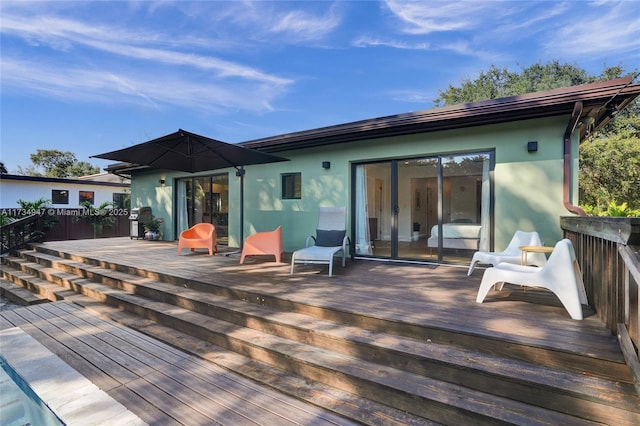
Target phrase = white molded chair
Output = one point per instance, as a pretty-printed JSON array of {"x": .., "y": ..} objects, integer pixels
[
  {"x": 561, "y": 275},
  {"x": 330, "y": 239},
  {"x": 512, "y": 253}
]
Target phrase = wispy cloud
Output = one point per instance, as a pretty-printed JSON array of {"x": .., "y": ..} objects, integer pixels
[
  {"x": 224, "y": 83},
  {"x": 305, "y": 26},
  {"x": 367, "y": 41},
  {"x": 610, "y": 27},
  {"x": 568, "y": 29},
  {"x": 93, "y": 85},
  {"x": 434, "y": 16}
]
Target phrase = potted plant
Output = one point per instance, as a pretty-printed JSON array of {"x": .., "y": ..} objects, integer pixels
[{"x": 152, "y": 228}]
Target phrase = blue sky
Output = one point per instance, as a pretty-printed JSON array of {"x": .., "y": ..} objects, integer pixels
[{"x": 91, "y": 77}]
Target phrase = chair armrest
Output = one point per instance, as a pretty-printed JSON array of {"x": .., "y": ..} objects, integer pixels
[
  {"x": 306, "y": 243},
  {"x": 345, "y": 242}
]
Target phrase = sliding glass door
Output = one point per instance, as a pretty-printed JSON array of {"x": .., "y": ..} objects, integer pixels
[
  {"x": 373, "y": 209},
  {"x": 432, "y": 208},
  {"x": 203, "y": 199}
]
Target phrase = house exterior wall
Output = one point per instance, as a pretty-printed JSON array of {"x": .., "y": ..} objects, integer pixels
[
  {"x": 527, "y": 191},
  {"x": 12, "y": 190}
]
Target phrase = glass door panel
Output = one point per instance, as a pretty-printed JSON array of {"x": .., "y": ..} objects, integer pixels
[
  {"x": 465, "y": 191},
  {"x": 219, "y": 206},
  {"x": 417, "y": 207},
  {"x": 373, "y": 212},
  {"x": 431, "y": 209},
  {"x": 203, "y": 199}
]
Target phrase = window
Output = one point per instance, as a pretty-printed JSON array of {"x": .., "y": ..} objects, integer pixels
[
  {"x": 86, "y": 196},
  {"x": 59, "y": 196},
  {"x": 121, "y": 201},
  {"x": 291, "y": 186}
]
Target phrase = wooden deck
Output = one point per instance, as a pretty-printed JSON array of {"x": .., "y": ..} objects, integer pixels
[
  {"x": 413, "y": 293},
  {"x": 428, "y": 303},
  {"x": 162, "y": 385}
]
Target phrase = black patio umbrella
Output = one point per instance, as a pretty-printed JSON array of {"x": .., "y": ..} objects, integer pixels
[{"x": 188, "y": 152}]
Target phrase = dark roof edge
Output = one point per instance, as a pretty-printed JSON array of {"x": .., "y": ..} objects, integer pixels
[
  {"x": 531, "y": 105},
  {"x": 61, "y": 180}
]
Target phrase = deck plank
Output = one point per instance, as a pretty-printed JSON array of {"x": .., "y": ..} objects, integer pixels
[
  {"x": 160, "y": 384},
  {"x": 30, "y": 324},
  {"x": 414, "y": 293},
  {"x": 148, "y": 373}
]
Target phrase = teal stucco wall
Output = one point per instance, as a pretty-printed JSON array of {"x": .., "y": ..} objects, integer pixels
[{"x": 527, "y": 186}]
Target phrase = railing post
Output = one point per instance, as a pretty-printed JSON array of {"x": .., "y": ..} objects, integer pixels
[
  {"x": 608, "y": 251},
  {"x": 21, "y": 232}
]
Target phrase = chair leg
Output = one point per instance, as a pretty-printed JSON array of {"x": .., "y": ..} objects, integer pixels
[
  {"x": 485, "y": 286},
  {"x": 571, "y": 303},
  {"x": 331, "y": 266},
  {"x": 471, "y": 267}
]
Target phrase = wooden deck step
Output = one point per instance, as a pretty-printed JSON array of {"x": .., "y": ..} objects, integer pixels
[
  {"x": 20, "y": 294},
  {"x": 485, "y": 372},
  {"x": 511, "y": 377},
  {"x": 162, "y": 385},
  {"x": 566, "y": 352},
  {"x": 344, "y": 403},
  {"x": 414, "y": 394}
]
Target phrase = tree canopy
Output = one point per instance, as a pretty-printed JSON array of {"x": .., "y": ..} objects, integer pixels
[
  {"x": 501, "y": 82},
  {"x": 58, "y": 164},
  {"x": 618, "y": 143}
]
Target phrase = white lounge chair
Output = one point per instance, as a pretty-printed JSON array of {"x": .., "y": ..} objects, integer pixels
[
  {"x": 561, "y": 275},
  {"x": 330, "y": 239},
  {"x": 512, "y": 253}
]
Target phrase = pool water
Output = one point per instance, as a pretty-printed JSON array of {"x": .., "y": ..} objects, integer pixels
[{"x": 19, "y": 405}]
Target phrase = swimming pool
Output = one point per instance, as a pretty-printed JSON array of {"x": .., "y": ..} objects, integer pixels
[{"x": 19, "y": 405}]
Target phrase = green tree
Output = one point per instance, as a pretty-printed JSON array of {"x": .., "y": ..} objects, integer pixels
[
  {"x": 617, "y": 143},
  {"x": 58, "y": 164},
  {"x": 602, "y": 183},
  {"x": 500, "y": 82},
  {"x": 3, "y": 168},
  {"x": 99, "y": 217}
]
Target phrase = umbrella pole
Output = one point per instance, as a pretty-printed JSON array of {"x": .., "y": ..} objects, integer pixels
[
  {"x": 240, "y": 174},
  {"x": 241, "y": 170}
]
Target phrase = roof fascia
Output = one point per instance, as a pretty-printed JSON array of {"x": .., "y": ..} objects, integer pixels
[
  {"x": 531, "y": 105},
  {"x": 44, "y": 179}
]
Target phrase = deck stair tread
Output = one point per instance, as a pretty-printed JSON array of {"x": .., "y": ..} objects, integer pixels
[
  {"x": 341, "y": 402},
  {"x": 20, "y": 294},
  {"x": 204, "y": 393},
  {"x": 420, "y": 387},
  {"x": 130, "y": 282},
  {"x": 342, "y": 356},
  {"x": 436, "y": 323},
  {"x": 337, "y": 336},
  {"x": 393, "y": 309}
]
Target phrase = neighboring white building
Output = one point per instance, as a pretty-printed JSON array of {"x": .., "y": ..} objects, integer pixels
[{"x": 63, "y": 193}]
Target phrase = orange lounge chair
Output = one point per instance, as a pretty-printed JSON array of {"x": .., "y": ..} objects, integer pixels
[
  {"x": 262, "y": 243},
  {"x": 200, "y": 235}
]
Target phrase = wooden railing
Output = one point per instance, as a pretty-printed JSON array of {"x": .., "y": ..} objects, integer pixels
[
  {"x": 19, "y": 233},
  {"x": 608, "y": 252}
]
